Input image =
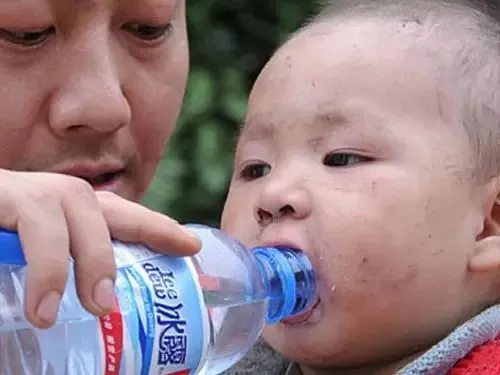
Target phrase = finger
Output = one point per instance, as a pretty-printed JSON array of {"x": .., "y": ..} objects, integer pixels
[
  {"x": 91, "y": 247},
  {"x": 36, "y": 213},
  {"x": 131, "y": 222},
  {"x": 44, "y": 236}
]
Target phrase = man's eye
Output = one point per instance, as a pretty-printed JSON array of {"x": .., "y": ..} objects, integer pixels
[
  {"x": 147, "y": 32},
  {"x": 27, "y": 38},
  {"x": 344, "y": 159},
  {"x": 254, "y": 171}
]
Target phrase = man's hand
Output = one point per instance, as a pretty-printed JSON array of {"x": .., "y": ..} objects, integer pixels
[{"x": 57, "y": 216}]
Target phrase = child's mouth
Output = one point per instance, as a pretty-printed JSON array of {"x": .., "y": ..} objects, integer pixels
[{"x": 302, "y": 317}]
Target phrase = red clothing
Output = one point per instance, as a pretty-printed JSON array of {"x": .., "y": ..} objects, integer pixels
[{"x": 483, "y": 360}]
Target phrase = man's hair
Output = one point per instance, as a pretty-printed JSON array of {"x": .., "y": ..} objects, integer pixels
[{"x": 470, "y": 58}]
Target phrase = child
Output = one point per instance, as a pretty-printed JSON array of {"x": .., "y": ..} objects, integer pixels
[{"x": 372, "y": 143}]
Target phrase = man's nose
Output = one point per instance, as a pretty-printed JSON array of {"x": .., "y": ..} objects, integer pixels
[{"x": 89, "y": 97}]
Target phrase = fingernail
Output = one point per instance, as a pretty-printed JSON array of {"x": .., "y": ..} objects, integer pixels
[
  {"x": 104, "y": 294},
  {"x": 49, "y": 307},
  {"x": 188, "y": 233}
]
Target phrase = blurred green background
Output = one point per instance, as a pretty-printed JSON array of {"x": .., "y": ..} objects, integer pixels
[{"x": 230, "y": 41}]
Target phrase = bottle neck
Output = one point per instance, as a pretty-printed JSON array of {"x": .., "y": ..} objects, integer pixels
[{"x": 288, "y": 280}]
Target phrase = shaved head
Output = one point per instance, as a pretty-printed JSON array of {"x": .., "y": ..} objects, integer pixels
[{"x": 461, "y": 39}]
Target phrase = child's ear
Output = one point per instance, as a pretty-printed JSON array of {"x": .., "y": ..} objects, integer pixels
[{"x": 486, "y": 256}]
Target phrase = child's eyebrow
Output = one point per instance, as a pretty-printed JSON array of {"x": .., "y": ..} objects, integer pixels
[
  {"x": 258, "y": 127},
  {"x": 252, "y": 130},
  {"x": 328, "y": 118}
]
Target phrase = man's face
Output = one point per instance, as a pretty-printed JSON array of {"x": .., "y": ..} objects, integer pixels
[
  {"x": 346, "y": 154},
  {"x": 91, "y": 88}
]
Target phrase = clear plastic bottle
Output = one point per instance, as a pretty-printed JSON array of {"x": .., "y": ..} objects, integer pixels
[{"x": 193, "y": 315}]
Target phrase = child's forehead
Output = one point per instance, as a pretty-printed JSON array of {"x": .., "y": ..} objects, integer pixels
[
  {"x": 381, "y": 38},
  {"x": 350, "y": 76},
  {"x": 370, "y": 53},
  {"x": 350, "y": 58}
]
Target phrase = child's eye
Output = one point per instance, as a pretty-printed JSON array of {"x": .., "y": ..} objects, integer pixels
[
  {"x": 147, "y": 32},
  {"x": 254, "y": 171},
  {"x": 344, "y": 159},
  {"x": 27, "y": 38}
]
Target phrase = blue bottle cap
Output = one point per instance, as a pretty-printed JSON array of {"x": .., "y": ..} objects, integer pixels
[
  {"x": 11, "y": 250},
  {"x": 289, "y": 281}
]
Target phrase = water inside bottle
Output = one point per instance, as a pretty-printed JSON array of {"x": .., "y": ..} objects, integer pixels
[{"x": 236, "y": 320}]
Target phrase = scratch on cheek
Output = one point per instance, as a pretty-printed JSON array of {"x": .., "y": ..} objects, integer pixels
[{"x": 375, "y": 276}]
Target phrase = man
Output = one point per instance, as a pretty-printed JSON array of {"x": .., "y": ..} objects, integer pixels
[{"x": 90, "y": 92}]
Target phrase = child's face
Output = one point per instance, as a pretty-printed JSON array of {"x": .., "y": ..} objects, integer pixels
[
  {"x": 90, "y": 87},
  {"x": 345, "y": 154}
]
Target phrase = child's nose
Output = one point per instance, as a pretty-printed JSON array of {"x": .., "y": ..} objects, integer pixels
[
  {"x": 283, "y": 199},
  {"x": 89, "y": 97}
]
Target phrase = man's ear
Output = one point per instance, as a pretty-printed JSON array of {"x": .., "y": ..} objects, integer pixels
[{"x": 486, "y": 256}]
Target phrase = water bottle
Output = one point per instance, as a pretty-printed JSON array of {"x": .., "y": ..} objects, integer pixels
[{"x": 173, "y": 315}]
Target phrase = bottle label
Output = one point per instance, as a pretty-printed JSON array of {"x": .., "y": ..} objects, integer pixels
[{"x": 160, "y": 326}]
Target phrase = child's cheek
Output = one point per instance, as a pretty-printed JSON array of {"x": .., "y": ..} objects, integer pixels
[{"x": 350, "y": 281}]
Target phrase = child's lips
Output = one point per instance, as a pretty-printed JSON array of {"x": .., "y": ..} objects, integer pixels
[{"x": 302, "y": 317}]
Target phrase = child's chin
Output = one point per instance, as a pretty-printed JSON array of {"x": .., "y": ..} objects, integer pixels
[
  {"x": 304, "y": 343},
  {"x": 307, "y": 339}
]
